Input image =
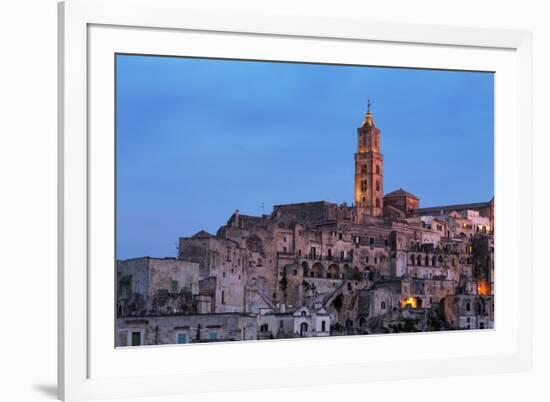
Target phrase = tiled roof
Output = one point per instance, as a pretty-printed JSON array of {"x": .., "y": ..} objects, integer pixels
[
  {"x": 400, "y": 193},
  {"x": 455, "y": 207}
]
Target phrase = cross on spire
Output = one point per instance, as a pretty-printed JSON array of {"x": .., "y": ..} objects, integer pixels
[{"x": 368, "y": 106}]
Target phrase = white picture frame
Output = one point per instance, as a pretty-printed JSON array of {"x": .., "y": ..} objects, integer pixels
[{"x": 89, "y": 31}]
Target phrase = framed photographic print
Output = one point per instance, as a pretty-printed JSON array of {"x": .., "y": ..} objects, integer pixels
[{"x": 243, "y": 197}]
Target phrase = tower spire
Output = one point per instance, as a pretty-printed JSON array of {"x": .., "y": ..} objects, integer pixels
[{"x": 368, "y": 121}]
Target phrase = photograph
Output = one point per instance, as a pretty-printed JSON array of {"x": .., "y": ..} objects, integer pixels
[{"x": 263, "y": 200}]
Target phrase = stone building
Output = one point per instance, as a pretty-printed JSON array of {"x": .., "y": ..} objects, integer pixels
[
  {"x": 156, "y": 285},
  {"x": 185, "y": 328},
  {"x": 382, "y": 264}
]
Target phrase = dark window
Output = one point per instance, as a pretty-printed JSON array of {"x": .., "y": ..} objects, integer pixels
[
  {"x": 377, "y": 203},
  {"x": 371, "y": 241},
  {"x": 323, "y": 326},
  {"x": 136, "y": 338},
  {"x": 223, "y": 297},
  {"x": 295, "y": 272},
  {"x": 377, "y": 169},
  {"x": 383, "y": 305},
  {"x": 468, "y": 306}
]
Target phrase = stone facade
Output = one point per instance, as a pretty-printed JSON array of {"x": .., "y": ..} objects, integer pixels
[{"x": 319, "y": 268}]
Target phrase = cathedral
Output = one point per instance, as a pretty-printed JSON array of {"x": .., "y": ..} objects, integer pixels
[{"x": 381, "y": 265}]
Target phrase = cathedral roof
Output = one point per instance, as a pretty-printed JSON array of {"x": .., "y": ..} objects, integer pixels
[
  {"x": 454, "y": 207},
  {"x": 401, "y": 193}
]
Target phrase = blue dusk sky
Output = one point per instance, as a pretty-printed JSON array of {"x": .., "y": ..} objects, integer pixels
[{"x": 197, "y": 139}]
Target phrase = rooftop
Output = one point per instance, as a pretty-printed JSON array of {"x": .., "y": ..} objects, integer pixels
[
  {"x": 454, "y": 207},
  {"x": 400, "y": 193}
]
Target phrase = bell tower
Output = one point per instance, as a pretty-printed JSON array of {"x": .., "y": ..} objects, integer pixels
[{"x": 369, "y": 178}]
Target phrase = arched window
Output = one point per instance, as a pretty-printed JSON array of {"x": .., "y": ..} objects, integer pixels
[
  {"x": 305, "y": 267},
  {"x": 333, "y": 271},
  {"x": 427, "y": 261},
  {"x": 383, "y": 305},
  {"x": 440, "y": 259},
  {"x": 412, "y": 259},
  {"x": 317, "y": 270},
  {"x": 303, "y": 313},
  {"x": 419, "y": 260},
  {"x": 434, "y": 260}
]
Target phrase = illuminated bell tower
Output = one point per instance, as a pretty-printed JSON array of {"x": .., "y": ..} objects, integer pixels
[{"x": 369, "y": 179}]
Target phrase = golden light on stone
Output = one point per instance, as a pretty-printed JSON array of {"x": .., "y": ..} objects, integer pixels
[
  {"x": 483, "y": 288},
  {"x": 411, "y": 301}
]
